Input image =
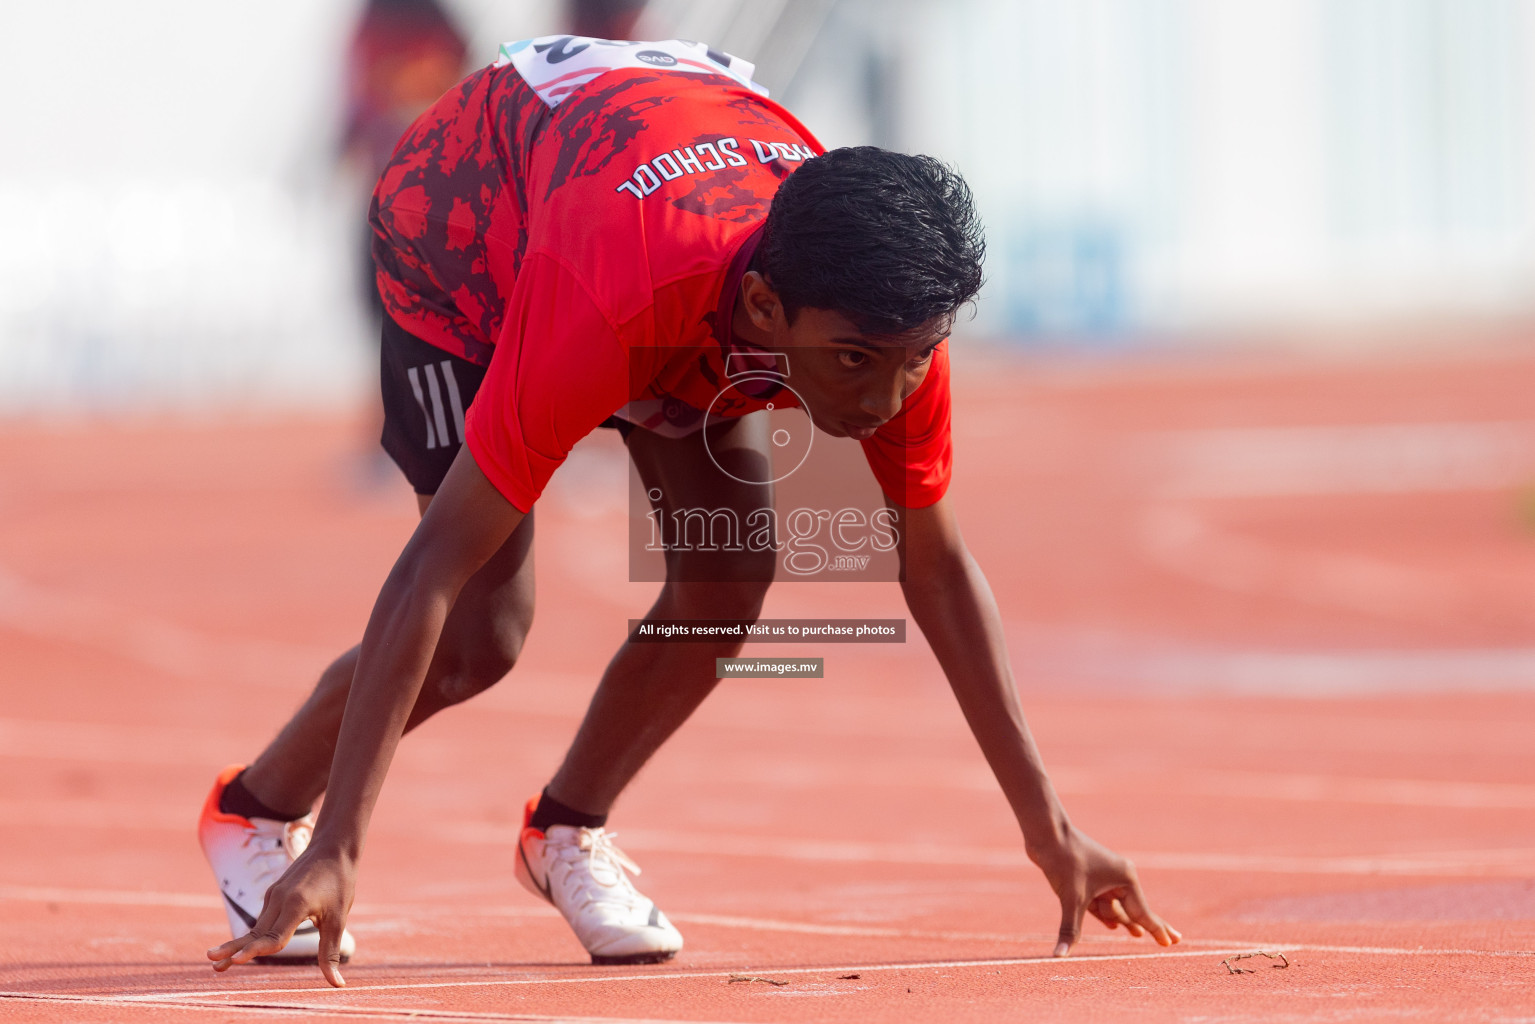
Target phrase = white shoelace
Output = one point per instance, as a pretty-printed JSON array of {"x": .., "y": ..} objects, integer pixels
[
  {"x": 274, "y": 845},
  {"x": 604, "y": 879}
]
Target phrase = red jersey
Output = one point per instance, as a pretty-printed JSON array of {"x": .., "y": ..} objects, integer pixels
[{"x": 592, "y": 235}]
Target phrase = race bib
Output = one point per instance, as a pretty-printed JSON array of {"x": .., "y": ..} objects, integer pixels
[{"x": 555, "y": 66}]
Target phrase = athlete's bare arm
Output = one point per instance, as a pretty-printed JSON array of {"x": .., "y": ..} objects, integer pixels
[
  {"x": 465, "y": 524},
  {"x": 953, "y": 605}
]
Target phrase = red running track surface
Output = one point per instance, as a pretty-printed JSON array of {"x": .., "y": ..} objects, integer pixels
[{"x": 1274, "y": 621}]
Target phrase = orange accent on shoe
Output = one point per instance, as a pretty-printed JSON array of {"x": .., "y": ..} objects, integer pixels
[
  {"x": 527, "y": 811},
  {"x": 211, "y": 810}
]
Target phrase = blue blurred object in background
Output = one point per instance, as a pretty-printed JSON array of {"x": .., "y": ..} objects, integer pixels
[{"x": 1065, "y": 279}]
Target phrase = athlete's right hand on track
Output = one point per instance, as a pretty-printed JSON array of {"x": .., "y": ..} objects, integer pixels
[
  {"x": 316, "y": 887},
  {"x": 1088, "y": 877}
]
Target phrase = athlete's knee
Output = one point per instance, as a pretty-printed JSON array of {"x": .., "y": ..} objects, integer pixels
[
  {"x": 473, "y": 665},
  {"x": 335, "y": 683}
]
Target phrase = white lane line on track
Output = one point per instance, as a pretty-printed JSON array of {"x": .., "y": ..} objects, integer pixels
[
  {"x": 1154, "y": 954},
  {"x": 922, "y": 965},
  {"x": 309, "y": 1009},
  {"x": 1419, "y": 951},
  {"x": 243, "y": 998}
]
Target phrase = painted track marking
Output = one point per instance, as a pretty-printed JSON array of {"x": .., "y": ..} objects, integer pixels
[
  {"x": 923, "y": 965},
  {"x": 242, "y": 999},
  {"x": 1151, "y": 954},
  {"x": 308, "y": 1009}
]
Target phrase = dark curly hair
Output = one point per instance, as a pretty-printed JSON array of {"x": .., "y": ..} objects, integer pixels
[{"x": 890, "y": 241}]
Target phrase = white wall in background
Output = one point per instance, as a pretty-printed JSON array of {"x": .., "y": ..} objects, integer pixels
[
  {"x": 174, "y": 229},
  {"x": 1167, "y": 165}
]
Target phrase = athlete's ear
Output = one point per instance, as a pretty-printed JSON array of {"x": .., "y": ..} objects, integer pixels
[{"x": 762, "y": 303}]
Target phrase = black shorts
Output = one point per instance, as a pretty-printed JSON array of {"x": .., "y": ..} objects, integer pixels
[{"x": 426, "y": 392}]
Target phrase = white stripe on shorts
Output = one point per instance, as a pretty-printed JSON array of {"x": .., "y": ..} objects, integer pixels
[
  {"x": 454, "y": 400},
  {"x": 415, "y": 385},
  {"x": 437, "y": 413}
]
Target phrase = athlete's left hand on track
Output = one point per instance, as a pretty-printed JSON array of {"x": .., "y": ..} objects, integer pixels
[
  {"x": 315, "y": 888},
  {"x": 1090, "y": 878}
]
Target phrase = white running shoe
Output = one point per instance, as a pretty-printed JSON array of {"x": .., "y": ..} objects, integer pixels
[
  {"x": 585, "y": 876},
  {"x": 248, "y": 855}
]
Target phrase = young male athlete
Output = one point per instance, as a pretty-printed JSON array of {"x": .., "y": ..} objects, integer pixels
[{"x": 584, "y": 234}]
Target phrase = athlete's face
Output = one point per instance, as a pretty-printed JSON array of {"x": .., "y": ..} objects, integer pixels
[{"x": 850, "y": 382}]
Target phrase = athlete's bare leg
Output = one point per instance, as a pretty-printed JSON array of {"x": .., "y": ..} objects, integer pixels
[
  {"x": 650, "y": 689},
  {"x": 480, "y": 641}
]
